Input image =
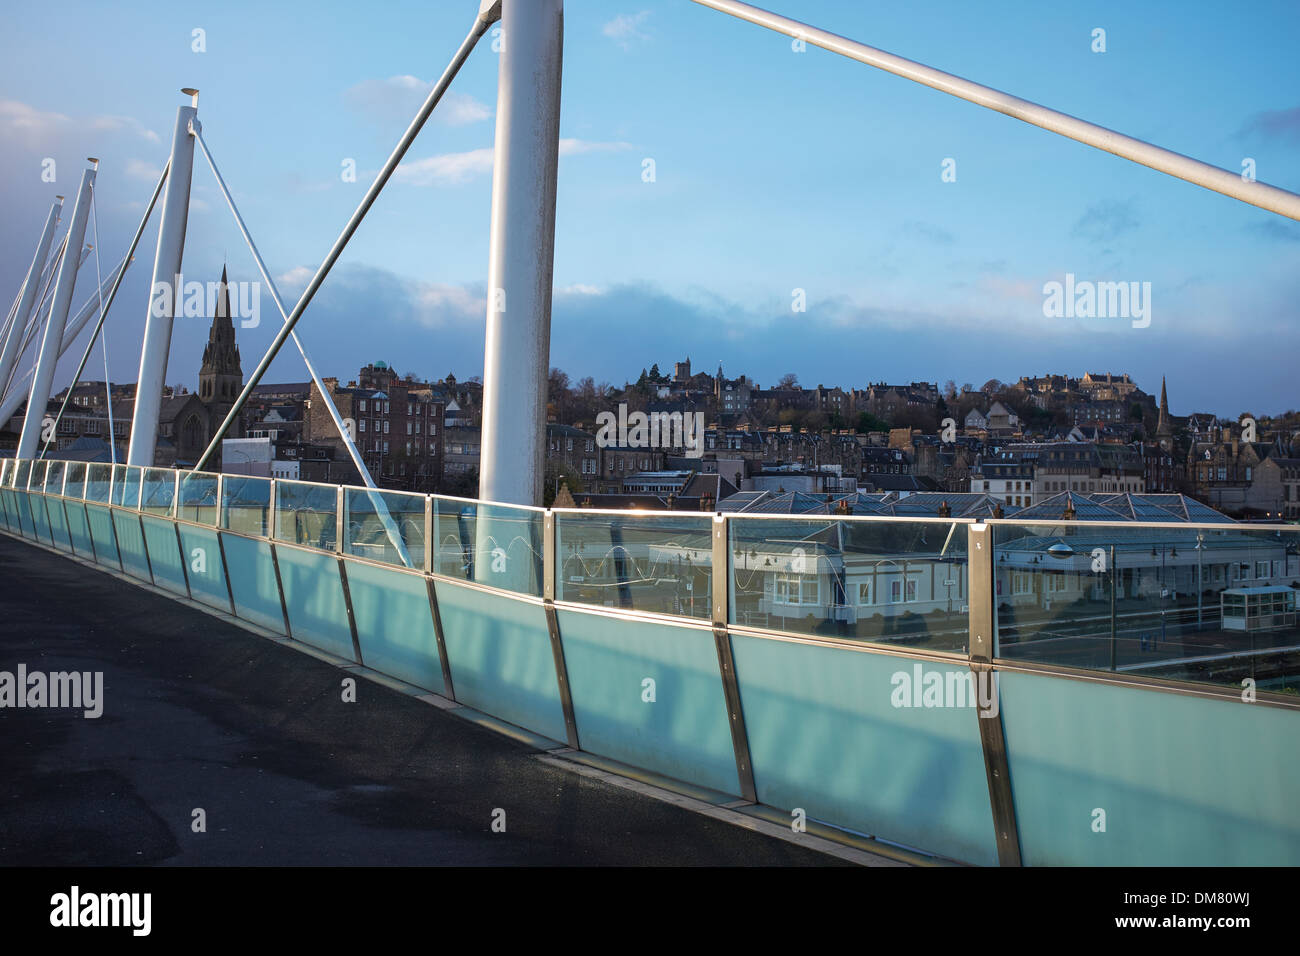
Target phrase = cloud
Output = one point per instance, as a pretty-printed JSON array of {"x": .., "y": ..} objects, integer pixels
[
  {"x": 33, "y": 127},
  {"x": 927, "y": 231},
  {"x": 997, "y": 332},
  {"x": 571, "y": 147},
  {"x": 1281, "y": 125},
  {"x": 1276, "y": 231},
  {"x": 20, "y": 121},
  {"x": 139, "y": 169},
  {"x": 446, "y": 169},
  {"x": 114, "y": 124},
  {"x": 453, "y": 169},
  {"x": 399, "y": 97},
  {"x": 625, "y": 29},
  {"x": 298, "y": 277},
  {"x": 1106, "y": 220}
]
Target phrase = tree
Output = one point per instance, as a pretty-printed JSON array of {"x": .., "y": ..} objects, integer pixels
[
  {"x": 950, "y": 389},
  {"x": 868, "y": 422},
  {"x": 559, "y": 472},
  {"x": 655, "y": 375},
  {"x": 788, "y": 380}
]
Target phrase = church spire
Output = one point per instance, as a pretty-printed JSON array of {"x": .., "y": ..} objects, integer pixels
[
  {"x": 1164, "y": 427},
  {"x": 221, "y": 376}
]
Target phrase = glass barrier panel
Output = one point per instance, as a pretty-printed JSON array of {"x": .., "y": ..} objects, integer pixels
[
  {"x": 22, "y": 471},
  {"x": 159, "y": 491},
  {"x": 1212, "y": 603},
  {"x": 661, "y": 563},
  {"x": 385, "y": 526},
  {"x": 126, "y": 485},
  {"x": 54, "y": 478},
  {"x": 99, "y": 482},
  {"x": 890, "y": 582},
  {"x": 75, "y": 485},
  {"x": 498, "y": 545},
  {"x": 246, "y": 504},
  {"x": 37, "y": 480},
  {"x": 6, "y": 471},
  {"x": 306, "y": 514},
  {"x": 198, "y": 497}
]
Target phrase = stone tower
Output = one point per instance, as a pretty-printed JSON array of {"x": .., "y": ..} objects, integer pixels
[
  {"x": 221, "y": 378},
  {"x": 1164, "y": 427}
]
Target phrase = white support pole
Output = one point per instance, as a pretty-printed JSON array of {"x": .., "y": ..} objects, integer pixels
[
  {"x": 18, "y": 328},
  {"x": 518, "y": 342},
  {"x": 11, "y": 387},
  {"x": 48, "y": 358},
  {"x": 166, "y": 274},
  {"x": 74, "y": 326},
  {"x": 1223, "y": 181}
]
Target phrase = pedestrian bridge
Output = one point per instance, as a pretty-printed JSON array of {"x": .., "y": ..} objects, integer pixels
[{"x": 998, "y": 691}]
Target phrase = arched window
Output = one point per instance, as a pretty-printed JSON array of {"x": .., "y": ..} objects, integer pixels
[{"x": 191, "y": 435}]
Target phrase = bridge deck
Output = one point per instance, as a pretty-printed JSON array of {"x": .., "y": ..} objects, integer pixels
[{"x": 199, "y": 712}]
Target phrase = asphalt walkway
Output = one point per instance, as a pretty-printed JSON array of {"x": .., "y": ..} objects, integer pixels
[{"x": 201, "y": 714}]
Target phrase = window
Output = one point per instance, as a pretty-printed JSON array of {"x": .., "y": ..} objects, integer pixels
[
  {"x": 385, "y": 448},
  {"x": 568, "y": 444},
  {"x": 1223, "y": 474},
  {"x": 864, "y": 592},
  {"x": 797, "y": 589},
  {"x": 591, "y": 445},
  {"x": 1261, "y": 569},
  {"x": 1021, "y": 582},
  {"x": 417, "y": 428},
  {"x": 363, "y": 404},
  {"x": 385, "y": 426},
  {"x": 897, "y": 590}
]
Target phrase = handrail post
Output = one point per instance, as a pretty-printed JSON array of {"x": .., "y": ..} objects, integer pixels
[
  {"x": 553, "y": 628},
  {"x": 340, "y": 509},
  {"x": 720, "y": 581},
  {"x": 984, "y": 687}
]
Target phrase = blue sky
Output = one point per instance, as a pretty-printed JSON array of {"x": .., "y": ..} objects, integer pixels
[{"x": 775, "y": 170}]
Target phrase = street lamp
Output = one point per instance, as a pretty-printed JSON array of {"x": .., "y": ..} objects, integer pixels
[
  {"x": 1061, "y": 551},
  {"x": 1200, "y": 579}
]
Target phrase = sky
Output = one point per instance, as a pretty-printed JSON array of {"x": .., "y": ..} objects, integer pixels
[{"x": 776, "y": 173}]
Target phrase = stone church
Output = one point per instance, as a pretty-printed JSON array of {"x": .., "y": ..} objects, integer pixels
[{"x": 187, "y": 422}]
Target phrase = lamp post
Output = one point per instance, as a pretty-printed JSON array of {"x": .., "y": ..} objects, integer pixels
[
  {"x": 1113, "y": 619},
  {"x": 1200, "y": 578}
]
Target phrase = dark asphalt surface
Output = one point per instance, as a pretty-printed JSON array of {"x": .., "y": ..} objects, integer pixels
[{"x": 200, "y": 713}]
